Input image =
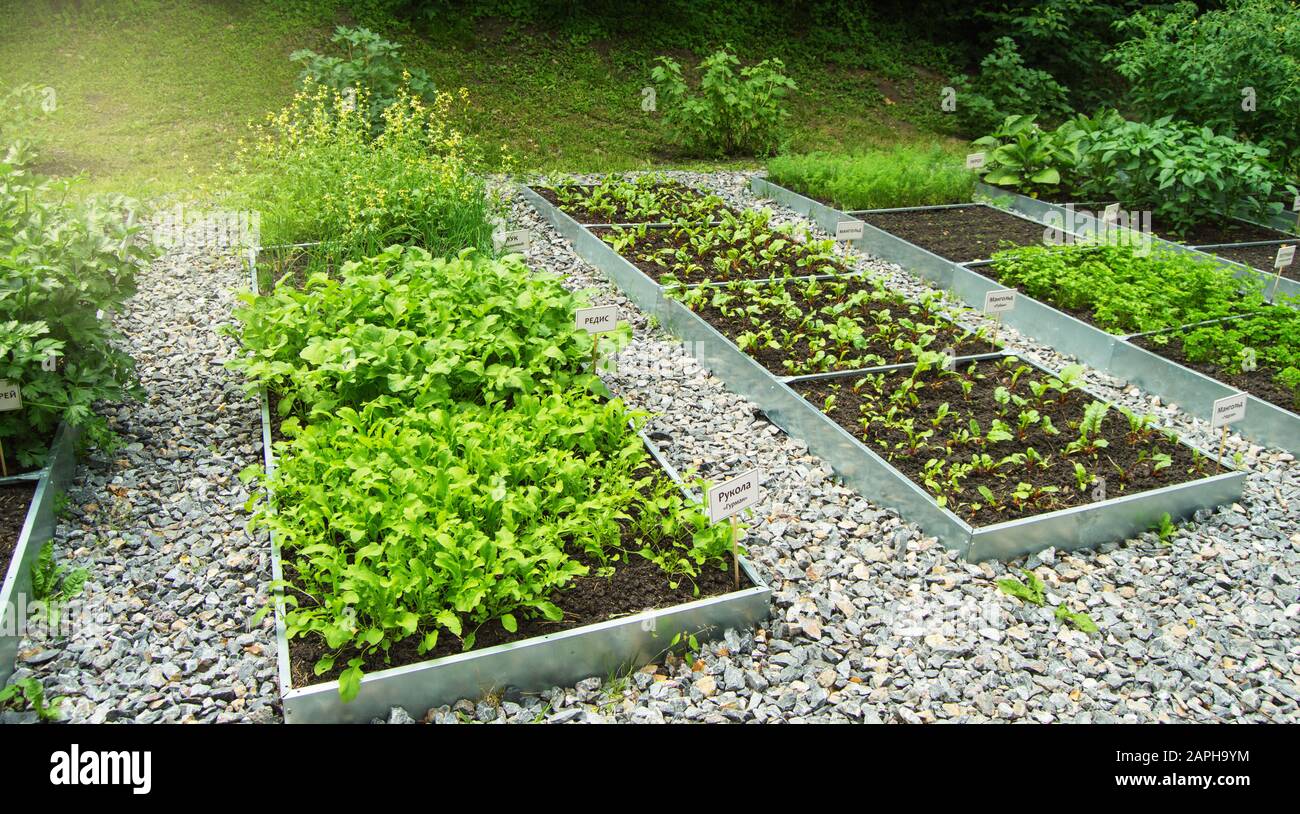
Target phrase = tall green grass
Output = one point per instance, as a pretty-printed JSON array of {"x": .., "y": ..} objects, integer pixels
[{"x": 879, "y": 179}]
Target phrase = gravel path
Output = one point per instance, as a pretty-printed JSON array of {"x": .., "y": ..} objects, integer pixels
[
  {"x": 872, "y": 621},
  {"x": 160, "y": 526},
  {"x": 875, "y": 622}
]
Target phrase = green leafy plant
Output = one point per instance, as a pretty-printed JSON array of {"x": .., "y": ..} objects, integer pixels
[
  {"x": 416, "y": 329},
  {"x": 1030, "y": 591},
  {"x": 1165, "y": 529},
  {"x": 33, "y": 696},
  {"x": 369, "y": 72},
  {"x": 649, "y": 198},
  {"x": 1079, "y": 620},
  {"x": 52, "y": 582},
  {"x": 1005, "y": 86},
  {"x": 1219, "y": 54},
  {"x": 65, "y": 267},
  {"x": 734, "y": 110}
]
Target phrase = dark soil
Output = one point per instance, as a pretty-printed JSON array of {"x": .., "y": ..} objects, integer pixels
[
  {"x": 672, "y": 195},
  {"x": 960, "y": 234},
  {"x": 1258, "y": 383},
  {"x": 948, "y": 334},
  {"x": 14, "y": 502},
  {"x": 785, "y": 264},
  {"x": 1118, "y": 462},
  {"x": 635, "y": 585},
  {"x": 1260, "y": 257},
  {"x": 1227, "y": 230}
]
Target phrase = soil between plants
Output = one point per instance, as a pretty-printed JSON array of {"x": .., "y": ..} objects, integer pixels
[
  {"x": 635, "y": 585},
  {"x": 658, "y": 239},
  {"x": 11, "y": 460},
  {"x": 1227, "y": 230},
  {"x": 1258, "y": 383},
  {"x": 1258, "y": 257},
  {"x": 1118, "y": 462},
  {"x": 15, "y": 500},
  {"x": 950, "y": 335},
  {"x": 671, "y": 194},
  {"x": 960, "y": 234}
]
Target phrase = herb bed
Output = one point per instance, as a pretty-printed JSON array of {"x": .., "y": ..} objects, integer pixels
[{"x": 821, "y": 326}]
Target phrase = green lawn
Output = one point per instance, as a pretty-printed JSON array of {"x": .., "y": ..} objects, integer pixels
[{"x": 153, "y": 96}]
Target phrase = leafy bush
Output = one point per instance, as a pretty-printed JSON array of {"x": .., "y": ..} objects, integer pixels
[
  {"x": 425, "y": 331},
  {"x": 62, "y": 263},
  {"x": 732, "y": 112},
  {"x": 369, "y": 71},
  {"x": 1195, "y": 67},
  {"x": 900, "y": 176},
  {"x": 1005, "y": 86},
  {"x": 317, "y": 173},
  {"x": 1183, "y": 173}
]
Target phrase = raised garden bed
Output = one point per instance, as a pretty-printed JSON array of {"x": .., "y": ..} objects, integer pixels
[
  {"x": 821, "y": 326},
  {"x": 1194, "y": 392},
  {"x": 648, "y": 199},
  {"x": 608, "y": 621},
  {"x": 997, "y": 440},
  {"x": 743, "y": 247},
  {"x": 1245, "y": 260},
  {"x": 957, "y": 233},
  {"x": 860, "y": 467},
  {"x": 35, "y": 527}
]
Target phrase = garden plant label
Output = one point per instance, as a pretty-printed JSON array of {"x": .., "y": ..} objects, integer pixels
[
  {"x": 731, "y": 497},
  {"x": 597, "y": 320}
]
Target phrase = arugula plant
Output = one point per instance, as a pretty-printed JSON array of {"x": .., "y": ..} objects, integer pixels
[
  {"x": 415, "y": 329},
  {"x": 423, "y": 523}
]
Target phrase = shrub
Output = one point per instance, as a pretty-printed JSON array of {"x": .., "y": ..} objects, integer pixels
[
  {"x": 1183, "y": 173},
  {"x": 369, "y": 74},
  {"x": 732, "y": 112},
  {"x": 1028, "y": 158},
  {"x": 1196, "y": 67},
  {"x": 899, "y": 176},
  {"x": 1005, "y": 86},
  {"x": 316, "y": 172},
  {"x": 65, "y": 265}
]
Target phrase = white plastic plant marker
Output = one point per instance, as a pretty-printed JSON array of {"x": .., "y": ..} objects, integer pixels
[
  {"x": 726, "y": 500},
  {"x": 1228, "y": 410},
  {"x": 1285, "y": 257},
  {"x": 1225, "y": 411},
  {"x": 11, "y": 396},
  {"x": 516, "y": 240},
  {"x": 596, "y": 320},
  {"x": 1000, "y": 300},
  {"x": 849, "y": 230},
  {"x": 975, "y": 161}
]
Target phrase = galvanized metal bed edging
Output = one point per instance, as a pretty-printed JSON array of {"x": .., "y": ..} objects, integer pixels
[
  {"x": 1193, "y": 392},
  {"x": 865, "y": 471},
  {"x": 38, "y": 529},
  {"x": 533, "y": 664},
  {"x": 1042, "y": 212}
]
